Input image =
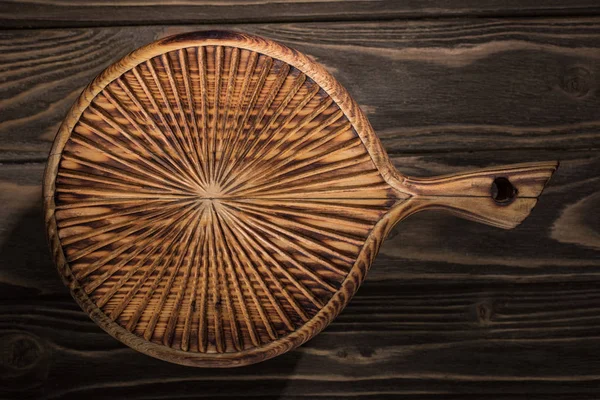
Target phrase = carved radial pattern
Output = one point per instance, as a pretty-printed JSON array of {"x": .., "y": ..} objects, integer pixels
[{"x": 212, "y": 199}]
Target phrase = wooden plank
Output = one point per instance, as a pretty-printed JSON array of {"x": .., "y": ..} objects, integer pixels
[
  {"x": 411, "y": 342},
  {"x": 450, "y": 309},
  {"x": 49, "y": 13},
  {"x": 426, "y": 85},
  {"x": 558, "y": 242}
]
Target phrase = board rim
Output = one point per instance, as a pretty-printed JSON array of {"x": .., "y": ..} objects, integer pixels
[{"x": 356, "y": 274}]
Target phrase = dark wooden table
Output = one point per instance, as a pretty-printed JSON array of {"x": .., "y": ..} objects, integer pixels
[{"x": 450, "y": 309}]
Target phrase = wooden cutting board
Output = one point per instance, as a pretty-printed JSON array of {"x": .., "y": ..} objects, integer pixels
[{"x": 215, "y": 199}]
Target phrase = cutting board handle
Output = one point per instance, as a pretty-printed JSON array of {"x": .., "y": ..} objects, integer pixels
[{"x": 498, "y": 196}]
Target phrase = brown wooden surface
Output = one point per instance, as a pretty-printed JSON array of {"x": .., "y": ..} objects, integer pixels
[
  {"x": 52, "y": 13},
  {"x": 450, "y": 309},
  {"x": 534, "y": 81},
  {"x": 214, "y": 199},
  {"x": 211, "y": 206}
]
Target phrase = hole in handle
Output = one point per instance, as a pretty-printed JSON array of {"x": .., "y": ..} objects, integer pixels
[{"x": 503, "y": 192}]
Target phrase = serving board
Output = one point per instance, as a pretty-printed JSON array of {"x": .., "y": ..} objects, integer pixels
[{"x": 216, "y": 198}]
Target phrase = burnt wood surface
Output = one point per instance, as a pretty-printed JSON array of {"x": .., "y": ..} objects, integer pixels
[
  {"x": 450, "y": 309},
  {"x": 51, "y": 13},
  {"x": 215, "y": 199},
  {"x": 485, "y": 84}
]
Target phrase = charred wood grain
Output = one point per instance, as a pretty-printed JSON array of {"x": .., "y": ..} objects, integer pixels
[
  {"x": 426, "y": 86},
  {"x": 46, "y": 13}
]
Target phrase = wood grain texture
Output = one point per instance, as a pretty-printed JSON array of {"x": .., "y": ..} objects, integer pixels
[
  {"x": 534, "y": 81},
  {"x": 53, "y": 13},
  {"x": 220, "y": 136},
  {"x": 483, "y": 312},
  {"x": 518, "y": 79},
  {"x": 517, "y": 334},
  {"x": 216, "y": 198},
  {"x": 480, "y": 255}
]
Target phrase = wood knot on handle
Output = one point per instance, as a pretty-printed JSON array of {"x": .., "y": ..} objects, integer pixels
[{"x": 503, "y": 191}]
